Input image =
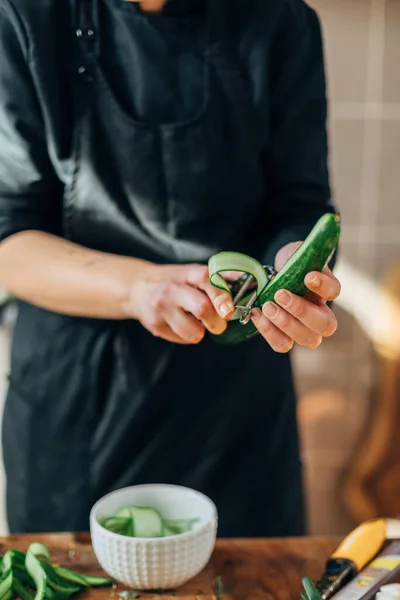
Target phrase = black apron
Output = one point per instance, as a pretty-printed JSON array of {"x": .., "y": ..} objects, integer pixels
[{"x": 95, "y": 405}]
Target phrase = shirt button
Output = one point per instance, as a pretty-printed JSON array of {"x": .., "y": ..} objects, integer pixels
[
  {"x": 87, "y": 34},
  {"x": 86, "y": 75}
]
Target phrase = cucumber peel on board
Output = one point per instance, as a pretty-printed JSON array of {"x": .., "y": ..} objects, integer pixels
[
  {"x": 33, "y": 576},
  {"x": 313, "y": 255},
  {"x": 310, "y": 590}
]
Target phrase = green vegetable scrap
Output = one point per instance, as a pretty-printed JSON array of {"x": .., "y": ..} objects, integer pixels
[
  {"x": 311, "y": 592},
  {"x": 219, "y": 590},
  {"x": 127, "y": 594},
  {"x": 145, "y": 522},
  {"x": 32, "y": 576}
]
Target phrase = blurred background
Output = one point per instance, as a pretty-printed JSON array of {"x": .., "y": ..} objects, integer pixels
[{"x": 349, "y": 390}]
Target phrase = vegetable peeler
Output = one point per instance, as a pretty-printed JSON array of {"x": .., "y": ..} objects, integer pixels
[{"x": 239, "y": 290}]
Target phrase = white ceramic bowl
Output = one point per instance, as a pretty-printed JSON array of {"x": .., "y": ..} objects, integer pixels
[{"x": 155, "y": 563}]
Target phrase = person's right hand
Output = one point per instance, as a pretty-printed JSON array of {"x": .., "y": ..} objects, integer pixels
[{"x": 178, "y": 302}]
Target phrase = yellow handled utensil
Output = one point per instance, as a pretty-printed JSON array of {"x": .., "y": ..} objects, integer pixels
[{"x": 353, "y": 554}]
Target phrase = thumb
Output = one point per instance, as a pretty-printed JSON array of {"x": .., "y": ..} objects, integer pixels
[{"x": 285, "y": 253}]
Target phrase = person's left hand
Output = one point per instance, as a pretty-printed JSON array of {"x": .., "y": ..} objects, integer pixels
[{"x": 292, "y": 319}]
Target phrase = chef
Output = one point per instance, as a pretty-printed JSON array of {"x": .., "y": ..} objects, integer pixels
[{"x": 137, "y": 139}]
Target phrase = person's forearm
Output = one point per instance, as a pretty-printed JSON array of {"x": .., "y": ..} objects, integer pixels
[{"x": 63, "y": 277}]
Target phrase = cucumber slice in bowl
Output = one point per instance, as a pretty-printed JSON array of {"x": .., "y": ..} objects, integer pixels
[{"x": 146, "y": 522}]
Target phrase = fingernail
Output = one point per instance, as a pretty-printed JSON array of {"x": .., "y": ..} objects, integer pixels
[
  {"x": 284, "y": 298},
  {"x": 270, "y": 310},
  {"x": 315, "y": 281},
  {"x": 256, "y": 314},
  {"x": 225, "y": 309}
]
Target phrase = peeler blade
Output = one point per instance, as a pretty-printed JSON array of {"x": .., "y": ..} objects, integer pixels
[{"x": 243, "y": 313}]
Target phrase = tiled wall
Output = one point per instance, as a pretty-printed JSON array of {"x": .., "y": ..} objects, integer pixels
[{"x": 362, "y": 49}]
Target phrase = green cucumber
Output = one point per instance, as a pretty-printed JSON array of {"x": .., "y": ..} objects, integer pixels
[{"x": 313, "y": 255}]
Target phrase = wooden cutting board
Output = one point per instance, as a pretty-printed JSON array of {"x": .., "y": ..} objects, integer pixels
[{"x": 249, "y": 569}]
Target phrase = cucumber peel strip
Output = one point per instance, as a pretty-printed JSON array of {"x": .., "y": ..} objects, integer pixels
[
  {"x": 81, "y": 579},
  {"x": 32, "y": 576},
  {"x": 310, "y": 590},
  {"x": 34, "y": 568},
  {"x": 234, "y": 261}
]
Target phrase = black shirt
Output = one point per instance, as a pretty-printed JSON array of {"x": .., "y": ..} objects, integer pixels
[{"x": 154, "y": 64}]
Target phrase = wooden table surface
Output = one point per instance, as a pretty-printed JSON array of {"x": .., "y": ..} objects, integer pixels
[{"x": 249, "y": 569}]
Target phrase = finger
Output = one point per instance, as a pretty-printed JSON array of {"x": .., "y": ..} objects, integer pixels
[
  {"x": 315, "y": 299},
  {"x": 221, "y": 300},
  {"x": 285, "y": 253},
  {"x": 279, "y": 341},
  {"x": 162, "y": 330},
  {"x": 231, "y": 275},
  {"x": 317, "y": 319},
  {"x": 291, "y": 326},
  {"x": 198, "y": 304},
  {"x": 185, "y": 326},
  {"x": 169, "y": 336},
  {"x": 323, "y": 284}
]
